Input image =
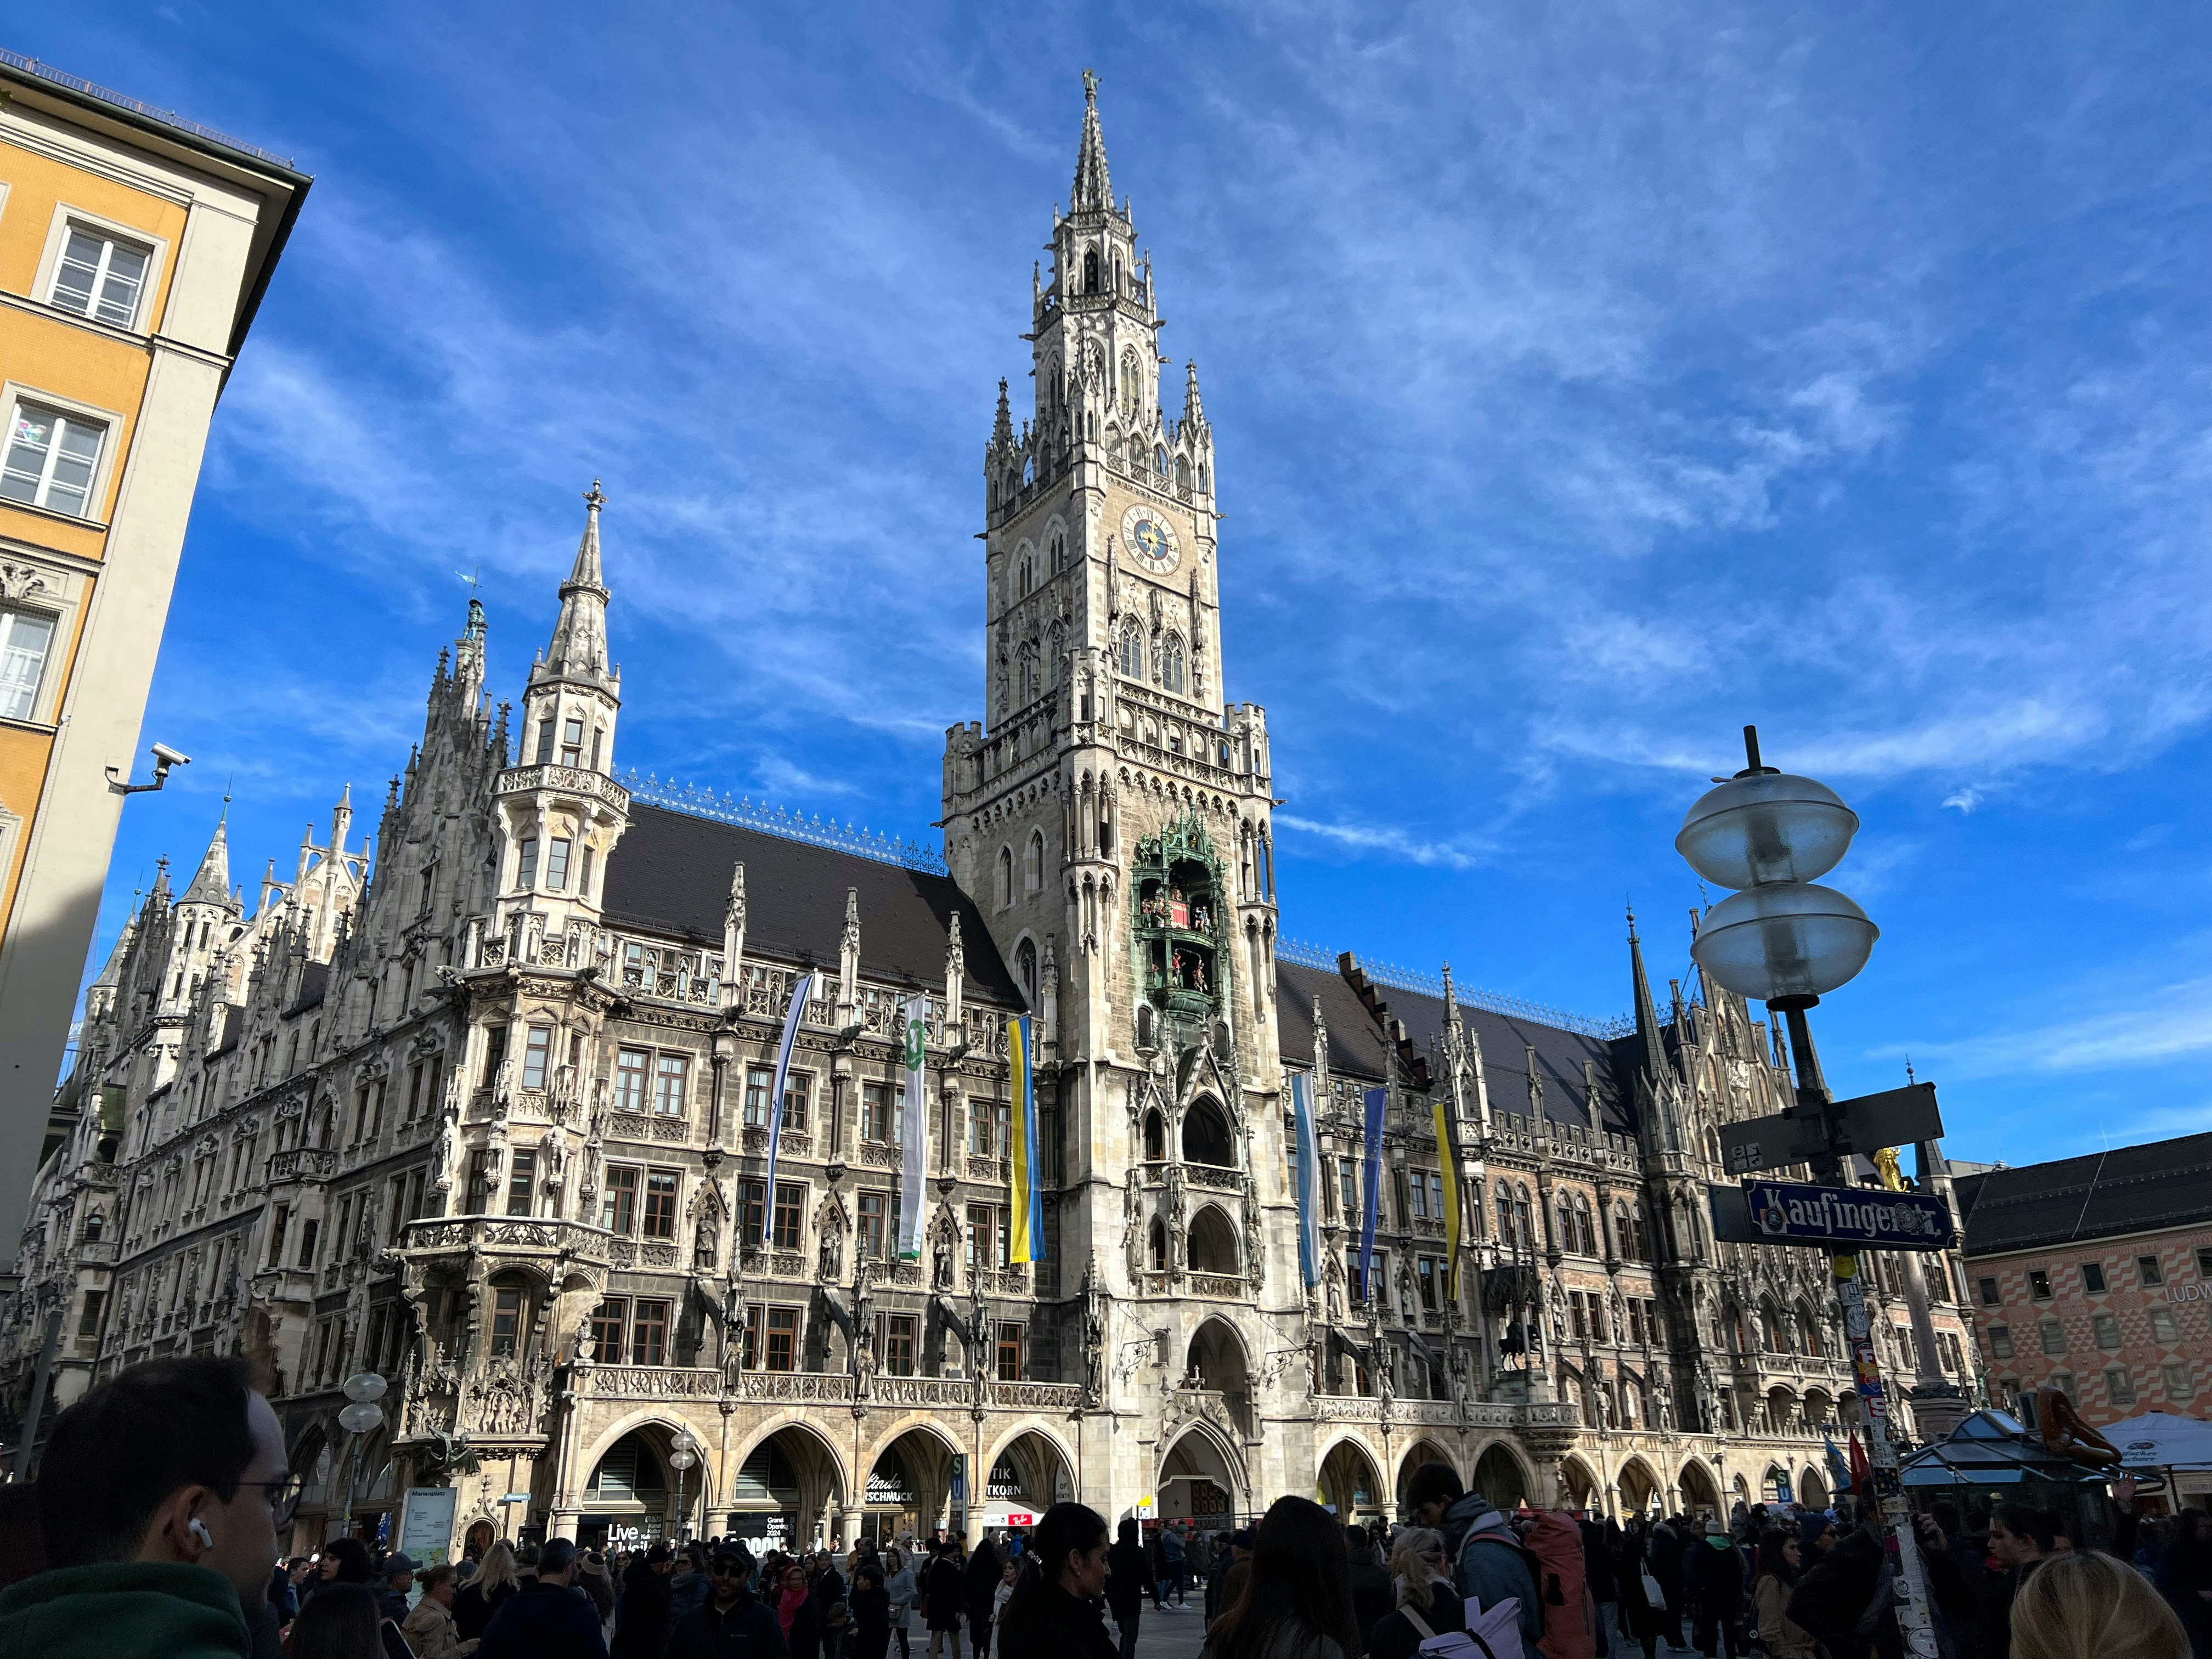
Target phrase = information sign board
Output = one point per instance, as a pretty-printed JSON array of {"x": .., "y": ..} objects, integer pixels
[{"x": 426, "y": 1523}]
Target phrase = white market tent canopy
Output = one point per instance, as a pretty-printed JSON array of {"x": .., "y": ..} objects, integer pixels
[{"x": 2159, "y": 1440}]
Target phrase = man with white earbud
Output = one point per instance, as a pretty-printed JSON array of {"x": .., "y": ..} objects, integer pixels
[{"x": 160, "y": 1495}]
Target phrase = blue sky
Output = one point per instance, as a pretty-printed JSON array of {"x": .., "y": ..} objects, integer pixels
[{"x": 1587, "y": 381}]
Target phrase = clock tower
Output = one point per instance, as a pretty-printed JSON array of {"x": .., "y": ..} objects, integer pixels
[{"x": 1111, "y": 815}]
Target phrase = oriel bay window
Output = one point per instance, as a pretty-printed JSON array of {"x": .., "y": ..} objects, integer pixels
[
  {"x": 525, "y": 863},
  {"x": 661, "y": 1191},
  {"x": 618, "y": 1201},
  {"x": 556, "y": 864},
  {"x": 631, "y": 1066},
  {"x": 537, "y": 1056}
]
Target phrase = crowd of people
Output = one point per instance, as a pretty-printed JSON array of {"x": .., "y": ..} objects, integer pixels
[{"x": 160, "y": 1495}]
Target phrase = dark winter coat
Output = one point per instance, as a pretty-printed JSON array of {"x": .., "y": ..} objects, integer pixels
[
  {"x": 941, "y": 1594},
  {"x": 472, "y": 1608},
  {"x": 1371, "y": 1599},
  {"x": 1043, "y": 1621},
  {"x": 1716, "y": 1578},
  {"x": 747, "y": 1630},
  {"x": 641, "y": 1615},
  {"x": 1394, "y": 1637},
  {"x": 1128, "y": 1576},
  {"x": 545, "y": 1621}
]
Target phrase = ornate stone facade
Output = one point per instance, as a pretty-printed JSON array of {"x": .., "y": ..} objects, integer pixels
[{"x": 491, "y": 1120}]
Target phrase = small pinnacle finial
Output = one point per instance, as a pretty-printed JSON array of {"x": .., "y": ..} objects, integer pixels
[{"x": 595, "y": 498}]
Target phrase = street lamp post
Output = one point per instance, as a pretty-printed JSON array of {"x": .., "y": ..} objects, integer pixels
[
  {"x": 1783, "y": 940},
  {"x": 682, "y": 1459},
  {"x": 362, "y": 1390}
]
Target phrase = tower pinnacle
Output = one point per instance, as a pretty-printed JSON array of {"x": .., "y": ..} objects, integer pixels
[
  {"x": 1093, "y": 189},
  {"x": 579, "y": 646}
]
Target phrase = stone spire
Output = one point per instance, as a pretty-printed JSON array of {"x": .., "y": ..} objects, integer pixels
[
  {"x": 1093, "y": 189},
  {"x": 579, "y": 646},
  {"x": 1193, "y": 409},
  {"x": 212, "y": 885},
  {"x": 1652, "y": 1051},
  {"x": 1002, "y": 429}
]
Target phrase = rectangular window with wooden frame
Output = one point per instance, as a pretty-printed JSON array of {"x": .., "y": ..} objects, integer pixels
[
  {"x": 618, "y": 1201},
  {"x": 99, "y": 275},
  {"x": 52, "y": 458},
  {"x": 898, "y": 1345},
  {"x": 506, "y": 1323},
  {"x": 631, "y": 1068},
  {"x": 1418, "y": 1195},
  {"x": 1010, "y": 1352},
  {"x": 756, "y": 1314},
  {"x": 521, "y": 1182},
  {"x": 572, "y": 742},
  {"x": 790, "y": 1210},
  {"x": 876, "y": 1111},
  {"x": 648, "y": 1333},
  {"x": 753, "y": 1212},
  {"x": 759, "y": 1081},
  {"x": 609, "y": 1320},
  {"x": 1427, "y": 1270},
  {"x": 2151, "y": 1271},
  {"x": 982, "y": 1237},
  {"x": 556, "y": 864},
  {"x": 782, "y": 1339},
  {"x": 875, "y": 1209},
  {"x": 797, "y": 1087},
  {"x": 25, "y": 639},
  {"x": 537, "y": 1056},
  {"x": 671, "y": 1076},
  {"x": 525, "y": 863},
  {"x": 2120, "y": 1385},
  {"x": 662, "y": 1187}
]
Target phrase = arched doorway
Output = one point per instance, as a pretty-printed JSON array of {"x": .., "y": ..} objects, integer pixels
[
  {"x": 1199, "y": 1483},
  {"x": 1216, "y": 1362},
  {"x": 627, "y": 1500},
  {"x": 1420, "y": 1453},
  {"x": 787, "y": 1487},
  {"x": 1812, "y": 1489},
  {"x": 1500, "y": 1477},
  {"x": 909, "y": 1489},
  {"x": 1355, "y": 1490},
  {"x": 1639, "y": 1488},
  {"x": 1700, "y": 1496},
  {"x": 1028, "y": 1475},
  {"x": 1578, "y": 1488}
]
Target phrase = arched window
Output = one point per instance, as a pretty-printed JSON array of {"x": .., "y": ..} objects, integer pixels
[
  {"x": 1205, "y": 1136},
  {"x": 1585, "y": 1233},
  {"x": 1006, "y": 876},
  {"x": 1504, "y": 1217},
  {"x": 1025, "y": 970},
  {"x": 1059, "y": 552},
  {"x": 1159, "y": 1245},
  {"x": 1182, "y": 476},
  {"x": 1171, "y": 665},
  {"x": 1144, "y": 1026},
  {"x": 1525, "y": 1217},
  {"x": 1026, "y": 679},
  {"x": 1160, "y": 461},
  {"x": 1033, "y": 862},
  {"x": 1204, "y": 477},
  {"x": 1133, "y": 391},
  {"x": 1565, "y": 1237},
  {"x": 1090, "y": 271},
  {"x": 1213, "y": 1246},
  {"x": 1055, "y": 664},
  {"x": 1156, "y": 1137},
  {"x": 1025, "y": 574},
  {"x": 1130, "y": 658}
]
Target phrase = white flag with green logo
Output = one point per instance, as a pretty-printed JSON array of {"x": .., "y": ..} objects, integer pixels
[{"x": 914, "y": 1149}]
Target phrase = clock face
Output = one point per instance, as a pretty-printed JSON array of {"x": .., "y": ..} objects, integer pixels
[{"x": 1150, "y": 538}]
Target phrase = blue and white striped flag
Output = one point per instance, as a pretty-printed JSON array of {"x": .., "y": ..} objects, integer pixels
[
  {"x": 801, "y": 993},
  {"x": 1308, "y": 1194}
]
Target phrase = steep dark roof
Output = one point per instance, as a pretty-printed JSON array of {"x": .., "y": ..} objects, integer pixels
[
  {"x": 2128, "y": 1190},
  {"x": 314, "y": 983},
  {"x": 670, "y": 873},
  {"x": 1355, "y": 1044}
]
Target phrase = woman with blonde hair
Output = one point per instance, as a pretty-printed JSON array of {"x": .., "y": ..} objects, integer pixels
[
  {"x": 2084, "y": 1605},
  {"x": 496, "y": 1580},
  {"x": 1427, "y": 1604}
]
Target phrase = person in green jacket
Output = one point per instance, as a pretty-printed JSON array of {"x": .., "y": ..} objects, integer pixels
[{"x": 160, "y": 1496}]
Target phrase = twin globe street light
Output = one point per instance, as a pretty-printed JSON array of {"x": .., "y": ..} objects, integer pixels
[
  {"x": 361, "y": 1413},
  {"x": 1781, "y": 939}
]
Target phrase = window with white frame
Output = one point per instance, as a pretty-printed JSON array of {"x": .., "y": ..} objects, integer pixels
[
  {"x": 26, "y": 639},
  {"x": 51, "y": 459},
  {"x": 99, "y": 276}
]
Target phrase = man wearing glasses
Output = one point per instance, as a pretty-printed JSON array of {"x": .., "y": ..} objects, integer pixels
[
  {"x": 730, "y": 1623},
  {"x": 160, "y": 1495}
]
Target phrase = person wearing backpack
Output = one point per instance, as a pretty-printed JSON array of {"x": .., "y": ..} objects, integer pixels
[
  {"x": 1427, "y": 1609},
  {"x": 1371, "y": 1585},
  {"x": 1570, "y": 1630},
  {"x": 1488, "y": 1562}
]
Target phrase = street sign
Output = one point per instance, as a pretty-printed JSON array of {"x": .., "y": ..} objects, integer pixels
[
  {"x": 1771, "y": 1143},
  {"x": 1852, "y": 1217},
  {"x": 1895, "y": 1117}
]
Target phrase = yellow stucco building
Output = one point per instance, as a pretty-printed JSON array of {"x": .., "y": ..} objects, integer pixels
[{"x": 135, "y": 248}]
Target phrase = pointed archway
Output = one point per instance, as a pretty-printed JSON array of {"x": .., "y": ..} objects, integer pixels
[
  {"x": 1354, "y": 1487},
  {"x": 1200, "y": 1480},
  {"x": 1504, "y": 1479}
]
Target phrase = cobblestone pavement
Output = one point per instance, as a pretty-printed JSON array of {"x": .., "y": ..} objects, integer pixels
[{"x": 1175, "y": 1633}]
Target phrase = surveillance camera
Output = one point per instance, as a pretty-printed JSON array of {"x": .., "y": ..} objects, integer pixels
[{"x": 169, "y": 756}]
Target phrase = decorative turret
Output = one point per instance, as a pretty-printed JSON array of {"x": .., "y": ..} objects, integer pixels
[{"x": 1094, "y": 189}]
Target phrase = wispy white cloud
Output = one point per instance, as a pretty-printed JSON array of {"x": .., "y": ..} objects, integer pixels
[{"x": 1389, "y": 842}]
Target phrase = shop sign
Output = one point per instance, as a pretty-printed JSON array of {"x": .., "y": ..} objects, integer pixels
[
  {"x": 888, "y": 1491},
  {"x": 1841, "y": 1217}
]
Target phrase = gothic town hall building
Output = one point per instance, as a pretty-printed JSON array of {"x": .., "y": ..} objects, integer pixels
[{"x": 487, "y": 1113}]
